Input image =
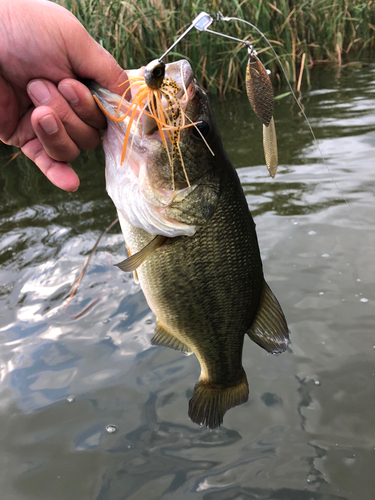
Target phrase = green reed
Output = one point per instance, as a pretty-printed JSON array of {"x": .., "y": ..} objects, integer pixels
[{"x": 137, "y": 31}]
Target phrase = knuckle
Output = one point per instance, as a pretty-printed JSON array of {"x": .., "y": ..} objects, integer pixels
[
  {"x": 90, "y": 140},
  {"x": 12, "y": 139},
  {"x": 65, "y": 114},
  {"x": 61, "y": 148}
]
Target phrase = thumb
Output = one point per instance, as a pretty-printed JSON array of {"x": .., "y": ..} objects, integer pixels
[{"x": 93, "y": 62}]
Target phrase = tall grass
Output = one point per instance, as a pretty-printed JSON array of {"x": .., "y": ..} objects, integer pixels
[{"x": 137, "y": 31}]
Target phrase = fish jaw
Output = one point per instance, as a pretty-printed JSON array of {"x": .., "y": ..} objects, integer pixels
[
  {"x": 129, "y": 187},
  {"x": 131, "y": 183}
]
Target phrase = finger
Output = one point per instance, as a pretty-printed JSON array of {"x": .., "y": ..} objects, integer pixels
[
  {"x": 9, "y": 111},
  {"x": 92, "y": 61},
  {"x": 24, "y": 131},
  {"x": 52, "y": 135},
  {"x": 81, "y": 101},
  {"x": 60, "y": 174},
  {"x": 44, "y": 92}
]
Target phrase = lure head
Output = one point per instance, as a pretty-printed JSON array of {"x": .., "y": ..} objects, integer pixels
[
  {"x": 165, "y": 163},
  {"x": 154, "y": 74}
]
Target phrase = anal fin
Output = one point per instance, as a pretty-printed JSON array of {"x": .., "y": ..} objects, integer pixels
[
  {"x": 211, "y": 401},
  {"x": 131, "y": 263},
  {"x": 163, "y": 338},
  {"x": 269, "y": 328}
]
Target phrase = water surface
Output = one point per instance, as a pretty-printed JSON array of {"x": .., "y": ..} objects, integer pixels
[{"x": 308, "y": 430}]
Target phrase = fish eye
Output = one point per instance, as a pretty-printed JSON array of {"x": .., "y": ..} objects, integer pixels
[{"x": 204, "y": 128}]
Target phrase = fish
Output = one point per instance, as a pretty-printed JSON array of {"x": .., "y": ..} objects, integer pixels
[
  {"x": 193, "y": 247},
  {"x": 260, "y": 94}
]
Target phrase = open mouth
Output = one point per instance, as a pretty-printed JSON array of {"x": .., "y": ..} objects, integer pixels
[
  {"x": 144, "y": 113},
  {"x": 148, "y": 111}
]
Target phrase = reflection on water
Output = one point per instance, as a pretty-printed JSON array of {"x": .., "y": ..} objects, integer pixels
[{"x": 307, "y": 431}]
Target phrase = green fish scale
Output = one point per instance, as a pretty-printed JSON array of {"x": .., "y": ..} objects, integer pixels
[{"x": 205, "y": 289}]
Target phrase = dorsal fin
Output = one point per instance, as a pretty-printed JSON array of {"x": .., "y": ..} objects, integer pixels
[
  {"x": 163, "y": 338},
  {"x": 269, "y": 328},
  {"x": 131, "y": 263}
]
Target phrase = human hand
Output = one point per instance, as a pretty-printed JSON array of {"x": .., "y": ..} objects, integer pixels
[{"x": 44, "y": 109}]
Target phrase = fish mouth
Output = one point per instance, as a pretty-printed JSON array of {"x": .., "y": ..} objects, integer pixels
[
  {"x": 180, "y": 74},
  {"x": 136, "y": 106}
]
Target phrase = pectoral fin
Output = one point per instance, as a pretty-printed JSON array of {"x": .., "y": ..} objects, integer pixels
[
  {"x": 131, "y": 263},
  {"x": 196, "y": 204},
  {"x": 135, "y": 274},
  {"x": 270, "y": 147},
  {"x": 269, "y": 328},
  {"x": 163, "y": 338}
]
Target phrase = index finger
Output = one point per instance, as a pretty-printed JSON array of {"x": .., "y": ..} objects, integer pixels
[{"x": 59, "y": 173}]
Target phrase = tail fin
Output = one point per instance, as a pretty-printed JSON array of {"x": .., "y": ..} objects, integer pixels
[{"x": 210, "y": 401}]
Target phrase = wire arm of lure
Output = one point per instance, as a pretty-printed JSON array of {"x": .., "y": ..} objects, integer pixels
[
  {"x": 245, "y": 42},
  {"x": 201, "y": 22}
]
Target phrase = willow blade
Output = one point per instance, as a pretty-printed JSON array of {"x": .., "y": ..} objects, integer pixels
[
  {"x": 270, "y": 147},
  {"x": 316, "y": 142}
]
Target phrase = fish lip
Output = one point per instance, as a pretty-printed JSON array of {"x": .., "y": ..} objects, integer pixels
[
  {"x": 184, "y": 71},
  {"x": 150, "y": 129},
  {"x": 141, "y": 133},
  {"x": 179, "y": 71}
]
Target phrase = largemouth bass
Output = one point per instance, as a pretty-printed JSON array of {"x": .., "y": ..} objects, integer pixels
[{"x": 193, "y": 248}]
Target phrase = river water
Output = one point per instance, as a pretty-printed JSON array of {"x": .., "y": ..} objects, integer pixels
[{"x": 308, "y": 429}]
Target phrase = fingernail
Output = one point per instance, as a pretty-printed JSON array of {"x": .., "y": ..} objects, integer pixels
[
  {"x": 40, "y": 92},
  {"x": 48, "y": 124},
  {"x": 69, "y": 93}
]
